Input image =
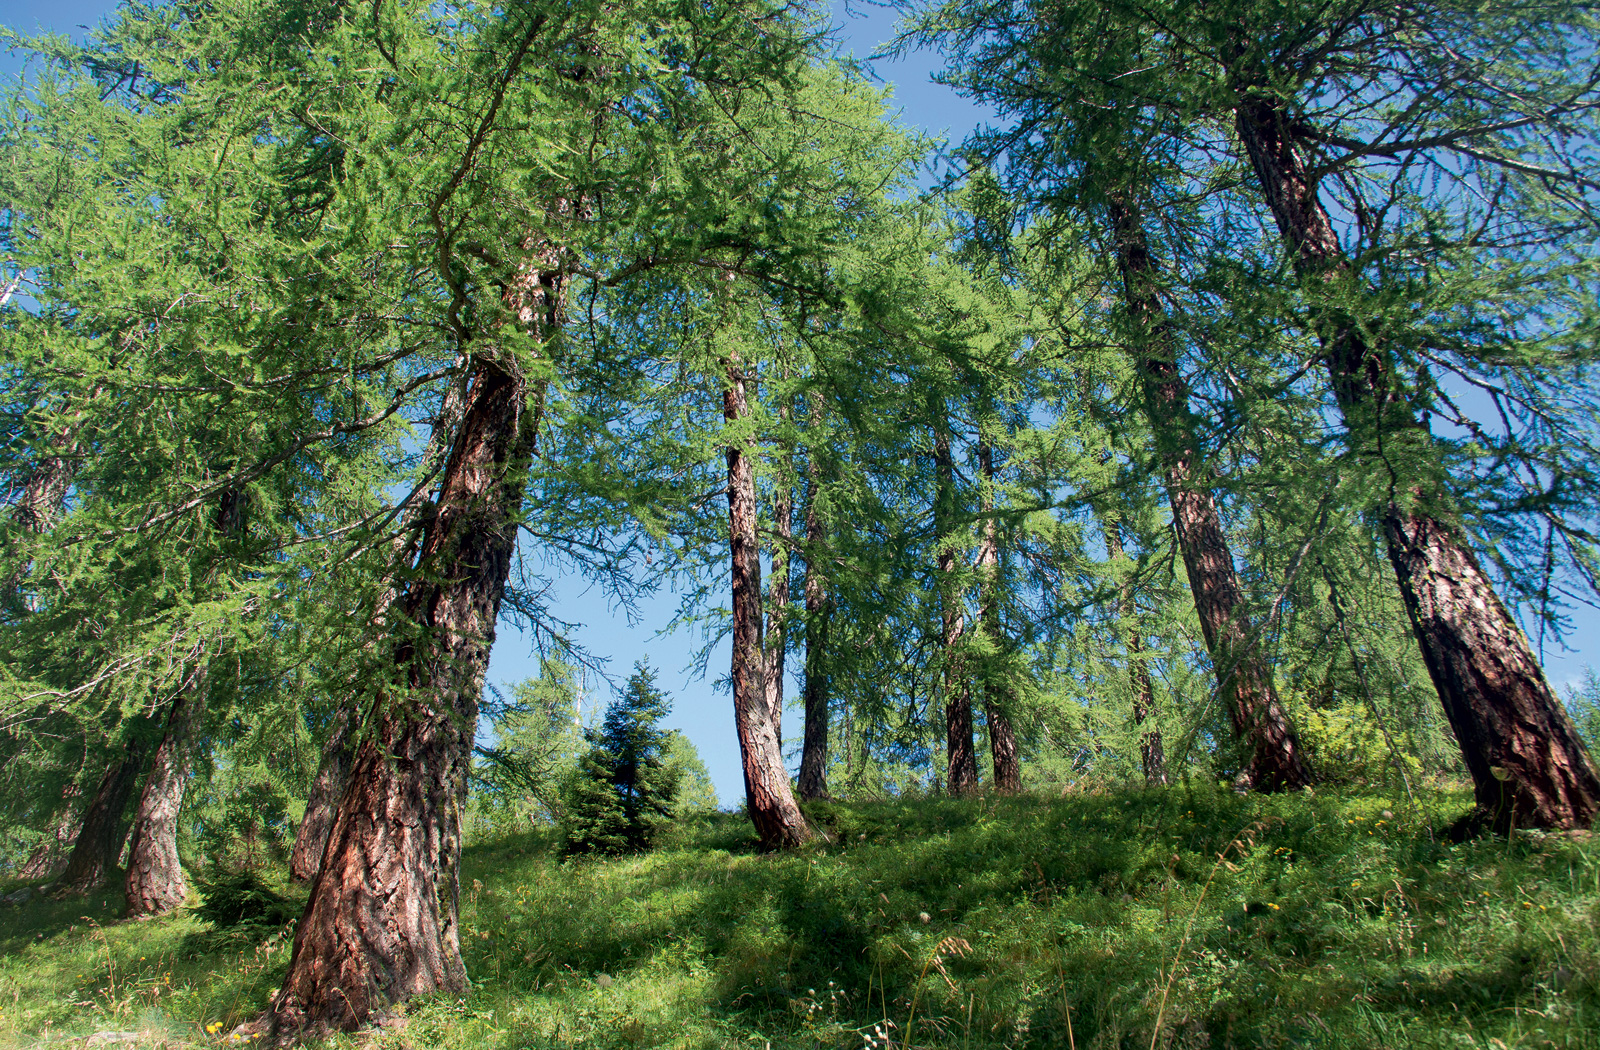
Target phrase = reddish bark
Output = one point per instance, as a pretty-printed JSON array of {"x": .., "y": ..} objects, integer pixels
[
  {"x": 778, "y": 608},
  {"x": 381, "y": 924},
  {"x": 311, "y": 837},
  {"x": 1151, "y": 751},
  {"x": 1243, "y": 680},
  {"x": 961, "y": 760},
  {"x": 50, "y": 856},
  {"x": 772, "y": 806},
  {"x": 814, "y": 748},
  {"x": 101, "y": 833},
  {"x": 1528, "y": 765},
  {"x": 998, "y": 696},
  {"x": 154, "y": 884}
]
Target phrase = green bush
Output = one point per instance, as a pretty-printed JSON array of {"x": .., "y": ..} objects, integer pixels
[{"x": 239, "y": 898}]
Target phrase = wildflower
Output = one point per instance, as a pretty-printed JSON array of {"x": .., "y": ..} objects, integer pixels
[{"x": 1273, "y": 906}]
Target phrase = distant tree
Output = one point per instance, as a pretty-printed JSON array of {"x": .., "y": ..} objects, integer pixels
[
  {"x": 696, "y": 793},
  {"x": 623, "y": 792},
  {"x": 522, "y": 776},
  {"x": 1583, "y": 707}
]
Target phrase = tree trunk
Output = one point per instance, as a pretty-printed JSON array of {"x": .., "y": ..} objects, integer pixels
[
  {"x": 1151, "y": 751},
  {"x": 1528, "y": 765},
  {"x": 772, "y": 806},
  {"x": 778, "y": 608},
  {"x": 154, "y": 884},
  {"x": 382, "y": 921},
  {"x": 961, "y": 760},
  {"x": 101, "y": 833},
  {"x": 50, "y": 856},
  {"x": 311, "y": 838},
  {"x": 998, "y": 696},
  {"x": 1243, "y": 680},
  {"x": 814, "y": 748}
]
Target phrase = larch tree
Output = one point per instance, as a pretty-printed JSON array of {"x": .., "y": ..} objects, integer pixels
[{"x": 1422, "y": 170}]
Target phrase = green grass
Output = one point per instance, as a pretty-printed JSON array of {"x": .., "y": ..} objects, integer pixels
[{"x": 981, "y": 923}]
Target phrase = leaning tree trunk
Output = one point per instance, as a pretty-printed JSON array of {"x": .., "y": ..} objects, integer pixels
[
  {"x": 1151, "y": 751},
  {"x": 1243, "y": 679},
  {"x": 50, "y": 856},
  {"x": 999, "y": 699},
  {"x": 101, "y": 833},
  {"x": 154, "y": 884},
  {"x": 382, "y": 922},
  {"x": 773, "y": 809},
  {"x": 778, "y": 607},
  {"x": 311, "y": 837},
  {"x": 961, "y": 760},
  {"x": 814, "y": 748},
  {"x": 1528, "y": 765}
]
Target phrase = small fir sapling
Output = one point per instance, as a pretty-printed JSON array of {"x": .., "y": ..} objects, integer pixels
[{"x": 622, "y": 795}]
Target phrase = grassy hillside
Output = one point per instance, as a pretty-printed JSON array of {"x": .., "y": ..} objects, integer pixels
[{"x": 1190, "y": 918}]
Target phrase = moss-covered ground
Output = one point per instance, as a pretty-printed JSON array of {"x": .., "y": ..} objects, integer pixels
[{"x": 1185, "y": 917}]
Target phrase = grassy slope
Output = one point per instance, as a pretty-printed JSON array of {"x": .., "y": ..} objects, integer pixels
[{"x": 1328, "y": 926}]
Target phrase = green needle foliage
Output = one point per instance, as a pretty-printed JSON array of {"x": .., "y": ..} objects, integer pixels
[{"x": 623, "y": 793}]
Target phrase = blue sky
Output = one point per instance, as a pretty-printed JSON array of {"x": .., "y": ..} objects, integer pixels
[{"x": 701, "y": 711}]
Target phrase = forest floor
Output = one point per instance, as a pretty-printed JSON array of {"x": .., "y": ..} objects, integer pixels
[{"x": 1188, "y": 917}]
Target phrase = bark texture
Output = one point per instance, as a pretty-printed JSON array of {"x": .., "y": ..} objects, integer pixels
[
  {"x": 311, "y": 837},
  {"x": 381, "y": 924},
  {"x": 50, "y": 856},
  {"x": 1243, "y": 680},
  {"x": 814, "y": 747},
  {"x": 778, "y": 608},
  {"x": 961, "y": 760},
  {"x": 1152, "y": 753},
  {"x": 999, "y": 699},
  {"x": 102, "y": 833},
  {"x": 1528, "y": 765},
  {"x": 154, "y": 884},
  {"x": 773, "y": 809}
]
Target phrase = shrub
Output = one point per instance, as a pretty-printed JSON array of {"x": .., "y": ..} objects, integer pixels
[{"x": 239, "y": 898}]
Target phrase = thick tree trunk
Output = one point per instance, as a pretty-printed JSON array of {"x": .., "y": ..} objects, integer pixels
[
  {"x": 998, "y": 696},
  {"x": 1151, "y": 751},
  {"x": 772, "y": 806},
  {"x": 50, "y": 856},
  {"x": 1528, "y": 765},
  {"x": 311, "y": 838},
  {"x": 778, "y": 608},
  {"x": 1243, "y": 680},
  {"x": 154, "y": 884},
  {"x": 814, "y": 748},
  {"x": 102, "y": 833},
  {"x": 961, "y": 760},
  {"x": 382, "y": 923}
]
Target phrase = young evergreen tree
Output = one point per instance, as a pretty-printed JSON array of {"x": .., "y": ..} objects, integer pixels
[{"x": 623, "y": 793}]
